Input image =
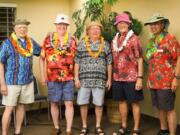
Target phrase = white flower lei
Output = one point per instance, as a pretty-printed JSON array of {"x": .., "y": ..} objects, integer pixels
[{"x": 115, "y": 42}]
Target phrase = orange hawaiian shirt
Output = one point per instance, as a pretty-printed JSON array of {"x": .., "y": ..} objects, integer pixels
[
  {"x": 60, "y": 61},
  {"x": 162, "y": 64}
]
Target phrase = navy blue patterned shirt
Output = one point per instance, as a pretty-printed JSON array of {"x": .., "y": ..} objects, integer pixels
[{"x": 93, "y": 72}]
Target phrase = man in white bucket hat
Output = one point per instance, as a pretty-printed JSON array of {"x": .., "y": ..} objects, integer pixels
[{"x": 58, "y": 52}]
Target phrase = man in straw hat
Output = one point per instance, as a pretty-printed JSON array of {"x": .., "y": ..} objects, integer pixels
[
  {"x": 93, "y": 71},
  {"x": 163, "y": 54},
  {"x": 16, "y": 77},
  {"x": 58, "y": 52}
]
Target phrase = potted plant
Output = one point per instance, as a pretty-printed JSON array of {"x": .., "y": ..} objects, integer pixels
[{"x": 91, "y": 10}]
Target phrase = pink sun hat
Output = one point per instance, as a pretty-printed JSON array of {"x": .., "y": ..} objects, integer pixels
[{"x": 123, "y": 17}]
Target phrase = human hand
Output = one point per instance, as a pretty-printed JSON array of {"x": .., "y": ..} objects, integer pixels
[
  {"x": 77, "y": 83},
  {"x": 43, "y": 81},
  {"x": 108, "y": 84},
  {"x": 174, "y": 85},
  {"x": 4, "y": 90},
  {"x": 139, "y": 84}
]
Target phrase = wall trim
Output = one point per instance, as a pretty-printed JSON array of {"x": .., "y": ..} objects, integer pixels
[{"x": 8, "y": 5}]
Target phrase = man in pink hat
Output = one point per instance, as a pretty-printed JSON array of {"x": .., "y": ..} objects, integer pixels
[{"x": 127, "y": 72}]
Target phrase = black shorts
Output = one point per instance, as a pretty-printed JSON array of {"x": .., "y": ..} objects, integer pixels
[
  {"x": 163, "y": 99},
  {"x": 125, "y": 91}
]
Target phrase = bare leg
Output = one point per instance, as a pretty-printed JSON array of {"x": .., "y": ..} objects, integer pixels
[
  {"x": 98, "y": 111},
  {"x": 55, "y": 114},
  {"x": 163, "y": 120},
  {"x": 6, "y": 118},
  {"x": 136, "y": 115},
  {"x": 69, "y": 113},
  {"x": 84, "y": 112},
  {"x": 123, "y": 109},
  {"x": 172, "y": 122},
  {"x": 20, "y": 112}
]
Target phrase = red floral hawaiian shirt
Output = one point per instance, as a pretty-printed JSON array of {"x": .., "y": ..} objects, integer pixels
[
  {"x": 60, "y": 66},
  {"x": 162, "y": 64},
  {"x": 125, "y": 67}
]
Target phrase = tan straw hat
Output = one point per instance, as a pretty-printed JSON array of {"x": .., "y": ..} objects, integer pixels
[
  {"x": 93, "y": 24},
  {"x": 21, "y": 21}
]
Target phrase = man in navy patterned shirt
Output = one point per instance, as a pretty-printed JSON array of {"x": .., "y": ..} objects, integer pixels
[
  {"x": 16, "y": 77},
  {"x": 93, "y": 74}
]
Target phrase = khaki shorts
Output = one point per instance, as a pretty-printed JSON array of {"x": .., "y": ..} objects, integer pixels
[{"x": 19, "y": 94}]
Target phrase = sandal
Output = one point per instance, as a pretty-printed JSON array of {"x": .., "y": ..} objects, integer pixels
[
  {"x": 137, "y": 132},
  {"x": 122, "y": 131},
  {"x": 163, "y": 132},
  {"x": 69, "y": 133},
  {"x": 55, "y": 131},
  {"x": 98, "y": 131},
  {"x": 17, "y": 134},
  {"x": 84, "y": 131}
]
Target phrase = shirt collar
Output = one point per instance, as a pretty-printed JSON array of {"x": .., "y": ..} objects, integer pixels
[{"x": 96, "y": 42}]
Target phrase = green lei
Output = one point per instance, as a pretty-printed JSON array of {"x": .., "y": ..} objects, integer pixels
[{"x": 152, "y": 47}]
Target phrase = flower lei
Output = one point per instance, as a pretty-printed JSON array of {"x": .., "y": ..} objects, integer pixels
[
  {"x": 115, "y": 41},
  {"x": 55, "y": 43},
  {"x": 152, "y": 47},
  {"x": 92, "y": 53},
  {"x": 18, "y": 47}
]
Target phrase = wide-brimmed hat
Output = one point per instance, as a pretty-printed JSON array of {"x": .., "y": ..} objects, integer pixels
[
  {"x": 21, "y": 21},
  {"x": 93, "y": 24},
  {"x": 61, "y": 18},
  {"x": 123, "y": 17},
  {"x": 156, "y": 18}
]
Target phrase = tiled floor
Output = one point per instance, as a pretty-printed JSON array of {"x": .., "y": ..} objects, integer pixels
[{"x": 38, "y": 124}]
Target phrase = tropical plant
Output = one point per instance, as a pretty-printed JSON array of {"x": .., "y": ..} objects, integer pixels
[
  {"x": 108, "y": 30},
  {"x": 136, "y": 24},
  {"x": 92, "y": 9}
]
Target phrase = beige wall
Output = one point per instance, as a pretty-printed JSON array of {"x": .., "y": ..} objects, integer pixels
[
  {"x": 41, "y": 13},
  {"x": 143, "y": 9}
]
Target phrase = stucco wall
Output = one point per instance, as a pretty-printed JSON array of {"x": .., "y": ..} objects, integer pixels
[{"x": 41, "y": 13}]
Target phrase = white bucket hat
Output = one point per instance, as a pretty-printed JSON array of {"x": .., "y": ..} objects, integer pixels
[{"x": 61, "y": 18}]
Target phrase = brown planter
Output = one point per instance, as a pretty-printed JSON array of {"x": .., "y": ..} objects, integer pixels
[{"x": 113, "y": 111}]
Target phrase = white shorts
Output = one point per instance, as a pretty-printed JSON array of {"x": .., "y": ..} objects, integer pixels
[
  {"x": 23, "y": 94},
  {"x": 85, "y": 93}
]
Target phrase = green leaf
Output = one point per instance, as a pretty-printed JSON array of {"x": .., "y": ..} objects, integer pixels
[{"x": 111, "y": 2}]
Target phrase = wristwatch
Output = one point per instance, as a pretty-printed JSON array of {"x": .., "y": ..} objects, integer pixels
[
  {"x": 75, "y": 78},
  {"x": 141, "y": 77}
]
